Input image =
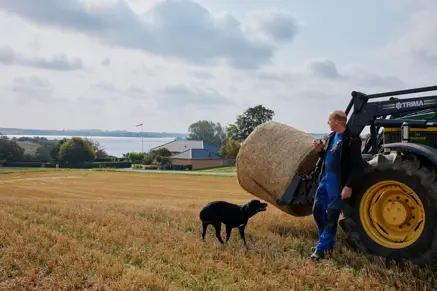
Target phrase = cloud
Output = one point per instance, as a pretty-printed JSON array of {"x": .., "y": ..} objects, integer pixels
[
  {"x": 356, "y": 75},
  {"x": 323, "y": 68},
  {"x": 35, "y": 44},
  {"x": 7, "y": 55},
  {"x": 182, "y": 95},
  {"x": 284, "y": 77},
  {"x": 203, "y": 75},
  {"x": 368, "y": 79},
  {"x": 181, "y": 29},
  {"x": 274, "y": 25},
  {"x": 111, "y": 91},
  {"x": 415, "y": 49},
  {"x": 59, "y": 63},
  {"x": 106, "y": 62},
  {"x": 106, "y": 87},
  {"x": 136, "y": 92},
  {"x": 33, "y": 88}
]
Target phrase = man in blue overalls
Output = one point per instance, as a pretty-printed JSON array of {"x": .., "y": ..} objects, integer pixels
[{"x": 341, "y": 170}]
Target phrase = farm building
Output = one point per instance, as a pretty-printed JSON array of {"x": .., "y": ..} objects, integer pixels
[{"x": 196, "y": 153}]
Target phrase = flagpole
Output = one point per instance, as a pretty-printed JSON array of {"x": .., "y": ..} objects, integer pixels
[{"x": 142, "y": 136}]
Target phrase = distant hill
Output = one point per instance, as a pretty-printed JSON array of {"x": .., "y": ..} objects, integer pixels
[
  {"x": 98, "y": 132},
  {"x": 89, "y": 132}
]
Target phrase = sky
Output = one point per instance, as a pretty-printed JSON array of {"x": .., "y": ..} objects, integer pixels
[{"x": 113, "y": 64}]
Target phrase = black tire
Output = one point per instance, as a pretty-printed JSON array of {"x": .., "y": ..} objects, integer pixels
[{"x": 419, "y": 176}]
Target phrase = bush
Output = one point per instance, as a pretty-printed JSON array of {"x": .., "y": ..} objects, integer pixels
[
  {"x": 230, "y": 149},
  {"x": 76, "y": 151},
  {"x": 85, "y": 165},
  {"x": 150, "y": 167},
  {"x": 136, "y": 158},
  {"x": 90, "y": 165},
  {"x": 148, "y": 160},
  {"x": 163, "y": 152},
  {"x": 22, "y": 164},
  {"x": 146, "y": 167}
]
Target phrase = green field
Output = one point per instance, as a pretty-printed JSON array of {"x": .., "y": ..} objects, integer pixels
[
  {"x": 29, "y": 147},
  {"x": 219, "y": 170}
]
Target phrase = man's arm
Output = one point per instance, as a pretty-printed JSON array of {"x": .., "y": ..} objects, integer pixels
[{"x": 356, "y": 162}]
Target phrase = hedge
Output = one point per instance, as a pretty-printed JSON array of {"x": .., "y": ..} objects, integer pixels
[
  {"x": 182, "y": 167},
  {"x": 22, "y": 164},
  {"x": 89, "y": 165},
  {"x": 146, "y": 167}
]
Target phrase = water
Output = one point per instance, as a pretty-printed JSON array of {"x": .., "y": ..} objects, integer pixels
[{"x": 116, "y": 146}]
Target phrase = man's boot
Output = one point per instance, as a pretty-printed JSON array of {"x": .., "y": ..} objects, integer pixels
[
  {"x": 331, "y": 249},
  {"x": 318, "y": 255}
]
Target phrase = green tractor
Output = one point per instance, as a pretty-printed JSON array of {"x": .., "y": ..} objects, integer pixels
[{"x": 393, "y": 214}]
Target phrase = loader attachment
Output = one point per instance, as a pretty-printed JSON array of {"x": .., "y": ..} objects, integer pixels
[{"x": 300, "y": 191}]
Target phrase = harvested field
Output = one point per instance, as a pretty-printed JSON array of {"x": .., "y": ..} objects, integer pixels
[{"x": 135, "y": 231}]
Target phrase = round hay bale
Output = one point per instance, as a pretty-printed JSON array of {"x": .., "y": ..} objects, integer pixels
[{"x": 269, "y": 159}]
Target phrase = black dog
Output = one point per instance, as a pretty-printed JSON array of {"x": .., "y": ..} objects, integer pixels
[{"x": 231, "y": 215}]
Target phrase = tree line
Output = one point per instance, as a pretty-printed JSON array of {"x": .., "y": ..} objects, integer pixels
[
  {"x": 78, "y": 150},
  {"x": 72, "y": 150},
  {"x": 230, "y": 137}
]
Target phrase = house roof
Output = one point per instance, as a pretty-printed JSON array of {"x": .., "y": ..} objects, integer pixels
[
  {"x": 182, "y": 145},
  {"x": 197, "y": 154}
]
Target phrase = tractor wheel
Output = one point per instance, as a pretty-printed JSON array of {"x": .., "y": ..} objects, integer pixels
[{"x": 393, "y": 213}]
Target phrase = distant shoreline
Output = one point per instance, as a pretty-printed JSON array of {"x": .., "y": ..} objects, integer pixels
[
  {"x": 100, "y": 133},
  {"x": 90, "y": 133}
]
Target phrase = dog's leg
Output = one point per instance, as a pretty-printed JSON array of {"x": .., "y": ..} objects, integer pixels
[
  {"x": 218, "y": 228},
  {"x": 241, "y": 229},
  {"x": 228, "y": 232},
  {"x": 205, "y": 226}
]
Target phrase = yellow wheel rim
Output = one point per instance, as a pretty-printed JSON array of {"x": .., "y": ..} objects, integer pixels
[{"x": 392, "y": 214}]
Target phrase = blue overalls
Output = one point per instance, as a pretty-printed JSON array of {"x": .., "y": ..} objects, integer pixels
[{"x": 328, "y": 203}]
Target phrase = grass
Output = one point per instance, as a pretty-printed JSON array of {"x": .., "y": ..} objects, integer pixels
[
  {"x": 129, "y": 231},
  {"x": 6, "y": 170},
  {"x": 29, "y": 147},
  {"x": 229, "y": 169},
  {"x": 163, "y": 172}
]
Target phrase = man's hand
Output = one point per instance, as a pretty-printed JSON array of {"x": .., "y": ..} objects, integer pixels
[
  {"x": 346, "y": 193},
  {"x": 318, "y": 146}
]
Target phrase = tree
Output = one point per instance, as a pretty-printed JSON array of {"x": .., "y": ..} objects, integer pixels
[
  {"x": 76, "y": 150},
  {"x": 230, "y": 149},
  {"x": 44, "y": 151},
  {"x": 163, "y": 152},
  {"x": 136, "y": 158},
  {"x": 207, "y": 131},
  {"x": 54, "y": 153},
  {"x": 99, "y": 149},
  {"x": 248, "y": 121},
  {"x": 10, "y": 150},
  {"x": 232, "y": 132}
]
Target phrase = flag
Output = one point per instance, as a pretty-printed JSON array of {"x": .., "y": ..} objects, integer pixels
[{"x": 139, "y": 125}]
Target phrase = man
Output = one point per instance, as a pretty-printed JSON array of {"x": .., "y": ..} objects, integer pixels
[{"x": 340, "y": 172}]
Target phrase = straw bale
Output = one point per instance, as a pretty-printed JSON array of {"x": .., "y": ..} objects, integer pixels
[{"x": 269, "y": 159}]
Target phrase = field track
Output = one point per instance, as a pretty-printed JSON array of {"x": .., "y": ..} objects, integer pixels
[{"x": 93, "y": 230}]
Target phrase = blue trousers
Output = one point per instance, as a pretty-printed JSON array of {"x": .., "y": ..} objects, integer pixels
[{"x": 326, "y": 210}]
